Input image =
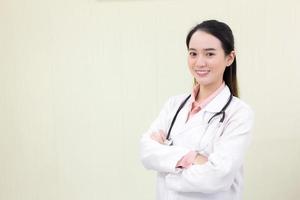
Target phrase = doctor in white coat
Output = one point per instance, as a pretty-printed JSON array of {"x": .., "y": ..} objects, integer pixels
[{"x": 200, "y": 155}]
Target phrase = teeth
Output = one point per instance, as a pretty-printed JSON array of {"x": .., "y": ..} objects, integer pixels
[{"x": 202, "y": 72}]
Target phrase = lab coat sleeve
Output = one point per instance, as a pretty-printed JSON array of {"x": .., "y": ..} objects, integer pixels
[
  {"x": 156, "y": 156},
  {"x": 223, "y": 163}
]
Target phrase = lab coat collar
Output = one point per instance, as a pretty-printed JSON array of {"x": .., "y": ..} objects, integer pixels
[{"x": 217, "y": 103}]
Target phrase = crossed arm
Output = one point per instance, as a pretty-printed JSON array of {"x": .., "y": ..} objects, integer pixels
[
  {"x": 191, "y": 158},
  {"x": 192, "y": 172}
]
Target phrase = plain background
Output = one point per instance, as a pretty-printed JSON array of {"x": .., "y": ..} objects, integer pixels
[{"x": 80, "y": 81}]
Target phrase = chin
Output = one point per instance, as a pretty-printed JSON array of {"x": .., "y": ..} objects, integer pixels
[{"x": 203, "y": 82}]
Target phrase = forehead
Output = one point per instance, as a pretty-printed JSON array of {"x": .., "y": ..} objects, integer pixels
[{"x": 202, "y": 40}]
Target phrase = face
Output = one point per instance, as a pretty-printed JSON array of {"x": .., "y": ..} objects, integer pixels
[{"x": 207, "y": 60}]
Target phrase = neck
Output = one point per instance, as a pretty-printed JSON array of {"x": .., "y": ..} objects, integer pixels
[{"x": 206, "y": 90}]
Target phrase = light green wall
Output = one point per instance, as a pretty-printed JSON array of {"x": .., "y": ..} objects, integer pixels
[{"x": 80, "y": 81}]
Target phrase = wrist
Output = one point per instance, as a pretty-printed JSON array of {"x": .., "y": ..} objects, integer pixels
[{"x": 200, "y": 159}]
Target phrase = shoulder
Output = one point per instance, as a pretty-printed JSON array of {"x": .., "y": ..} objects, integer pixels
[
  {"x": 240, "y": 104},
  {"x": 176, "y": 100},
  {"x": 240, "y": 109},
  {"x": 173, "y": 102}
]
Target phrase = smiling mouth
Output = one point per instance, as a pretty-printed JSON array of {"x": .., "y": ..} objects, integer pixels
[{"x": 202, "y": 72}]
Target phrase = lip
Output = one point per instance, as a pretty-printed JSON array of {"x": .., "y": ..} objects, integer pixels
[{"x": 202, "y": 72}]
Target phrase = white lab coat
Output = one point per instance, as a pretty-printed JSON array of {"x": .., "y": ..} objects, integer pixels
[{"x": 221, "y": 178}]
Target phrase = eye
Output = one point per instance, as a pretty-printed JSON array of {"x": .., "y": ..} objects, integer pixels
[
  {"x": 192, "y": 54},
  {"x": 209, "y": 54}
]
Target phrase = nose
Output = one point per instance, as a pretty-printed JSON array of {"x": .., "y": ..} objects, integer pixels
[{"x": 200, "y": 61}]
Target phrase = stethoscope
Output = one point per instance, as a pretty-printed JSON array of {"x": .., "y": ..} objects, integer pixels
[{"x": 169, "y": 141}]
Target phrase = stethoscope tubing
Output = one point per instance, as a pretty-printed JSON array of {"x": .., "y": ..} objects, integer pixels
[{"x": 221, "y": 112}]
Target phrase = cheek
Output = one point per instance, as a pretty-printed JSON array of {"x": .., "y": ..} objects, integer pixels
[
  {"x": 219, "y": 65},
  {"x": 190, "y": 66},
  {"x": 220, "y": 68},
  {"x": 190, "y": 62}
]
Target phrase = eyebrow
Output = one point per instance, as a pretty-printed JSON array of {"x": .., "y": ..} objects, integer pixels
[{"x": 206, "y": 49}]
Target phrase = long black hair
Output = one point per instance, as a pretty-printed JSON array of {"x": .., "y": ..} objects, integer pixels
[{"x": 223, "y": 32}]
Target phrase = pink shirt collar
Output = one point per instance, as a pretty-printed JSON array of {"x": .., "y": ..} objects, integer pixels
[{"x": 195, "y": 92}]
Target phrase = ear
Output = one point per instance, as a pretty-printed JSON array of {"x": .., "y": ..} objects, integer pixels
[{"x": 230, "y": 58}]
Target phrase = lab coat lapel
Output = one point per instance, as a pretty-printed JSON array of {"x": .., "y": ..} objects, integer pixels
[
  {"x": 181, "y": 125},
  {"x": 214, "y": 128},
  {"x": 199, "y": 119},
  {"x": 218, "y": 102}
]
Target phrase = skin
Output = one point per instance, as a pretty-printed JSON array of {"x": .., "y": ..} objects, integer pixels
[
  {"x": 159, "y": 136},
  {"x": 207, "y": 62}
]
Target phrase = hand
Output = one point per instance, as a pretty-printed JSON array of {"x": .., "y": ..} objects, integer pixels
[
  {"x": 159, "y": 136},
  {"x": 200, "y": 159}
]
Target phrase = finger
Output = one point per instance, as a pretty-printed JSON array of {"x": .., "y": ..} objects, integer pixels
[
  {"x": 162, "y": 134},
  {"x": 156, "y": 137},
  {"x": 153, "y": 136},
  {"x": 162, "y": 138}
]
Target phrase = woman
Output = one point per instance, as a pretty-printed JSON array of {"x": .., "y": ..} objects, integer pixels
[{"x": 201, "y": 157}]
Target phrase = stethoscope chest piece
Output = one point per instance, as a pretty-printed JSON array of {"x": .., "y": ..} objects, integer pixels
[{"x": 168, "y": 142}]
